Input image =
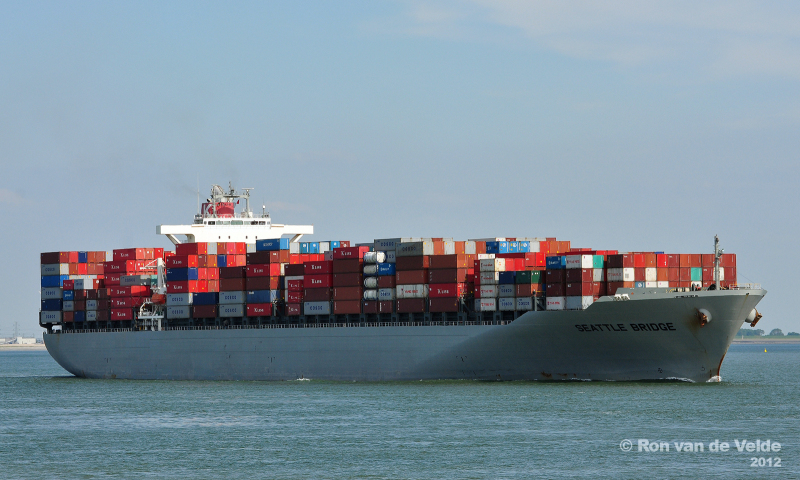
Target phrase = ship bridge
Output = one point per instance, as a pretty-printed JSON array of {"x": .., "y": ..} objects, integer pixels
[{"x": 218, "y": 221}]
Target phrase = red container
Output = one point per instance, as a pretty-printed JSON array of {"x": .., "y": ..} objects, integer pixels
[
  {"x": 447, "y": 276},
  {"x": 317, "y": 294},
  {"x": 296, "y": 270},
  {"x": 574, "y": 275},
  {"x": 662, "y": 274},
  {"x": 184, "y": 249},
  {"x": 262, "y": 270},
  {"x": 387, "y": 281},
  {"x": 448, "y": 261},
  {"x": 79, "y": 295},
  {"x": 294, "y": 296},
  {"x": 123, "y": 267},
  {"x": 535, "y": 259},
  {"x": 134, "y": 291},
  {"x": 583, "y": 289},
  {"x": 320, "y": 281},
  {"x": 674, "y": 274},
  {"x": 412, "y": 263},
  {"x": 262, "y": 283},
  {"x": 231, "y": 284},
  {"x": 126, "y": 302},
  {"x": 68, "y": 285},
  {"x": 208, "y": 261},
  {"x": 727, "y": 260},
  {"x": 317, "y": 268},
  {"x": 556, "y": 276},
  {"x": 446, "y": 304},
  {"x": 410, "y": 277},
  {"x": 347, "y": 293},
  {"x": 68, "y": 316},
  {"x": 344, "y": 244},
  {"x": 639, "y": 274},
  {"x": 528, "y": 289},
  {"x": 555, "y": 289},
  {"x": 128, "y": 254},
  {"x": 103, "y": 303},
  {"x": 295, "y": 285},
  {"x": 48, "y": 258},
  {"x": 79, "y": 305},
  {"x": 348, "y": 266},
  {"x": 90, "y": 294},
  {"x": 346, "y": 307},
  {"x": 685, "y": 274},
  {"x": 344, "y": 253},
  {"x": 102, "y": 315},
  {"x": 118, "y": 314},
  {"x": 695, "y": 260},
  {"x": 707, "y": 260},
  {"x": 187, "y": 286},
  {"x": 650, "y": 260},
  {"x": 204, "y": 311},
  {"x": 730, "y": 276},
  {"x": 345, "y": 280},
  {"x": 411, "y": 305},
  {"x": 293, "y": 309},
  {"x": 274, "y": 256},
  {"x": 662, "y": 260},
  {"x": 446, "y": 290},
  {"x": 226, "y": 248},
  {"x": 386, "y": 306},
  {"x": 212, "y": 286},
  {"x": 182, "y": 261},
  {"x": 232, "y": 272},
  {"x": 259, "y": 309},
  {"x": 370, "y": 306}
]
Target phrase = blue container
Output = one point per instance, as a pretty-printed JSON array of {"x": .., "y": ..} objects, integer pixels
[
  {"x": 69, "y": 295},
  {"x": 513, "y": 247},
  {"x": 80, "y": 316},
  {"x": 304, "y": 247},
  {"x": 54, "y": 304},
  {"x": 386, "y": 269},
  {"x": 263, "y": 296},
  {"x": 313, "y": 247},
  {"x": 269, "y": 244},
  {"x": 641, "y": 284},
  {"x": 335, "y": 244},
  {"x": 222, "y": 261},
  {"x": 507, "y": 277},
  {"x": 556, "y": 263},
  {"x": 181, "y": 274},
  {"x": 524, "y": 246},
  {"x": 206, "y": 298},
  {"x": 54, "y": 280},
  {"x": 83, "y": 257},
  {"x": 497, "y": 247}
]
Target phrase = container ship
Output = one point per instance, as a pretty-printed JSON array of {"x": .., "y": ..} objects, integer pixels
[{"x": 242, "y": 298}]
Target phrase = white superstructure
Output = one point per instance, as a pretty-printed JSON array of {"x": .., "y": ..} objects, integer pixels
[{"x": 218, "y": 221}]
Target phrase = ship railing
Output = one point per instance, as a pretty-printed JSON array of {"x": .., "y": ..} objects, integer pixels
[{"x": 745, "y": 286}]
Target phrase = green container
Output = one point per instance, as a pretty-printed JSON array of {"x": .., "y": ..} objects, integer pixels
[
  {"x": 697, "y": 274},
  {"x": 597, "y": 261},
  {"x": 529, "y": 277}
]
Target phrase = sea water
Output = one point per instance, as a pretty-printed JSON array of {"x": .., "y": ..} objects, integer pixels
[{"x": 53, "y": 425}]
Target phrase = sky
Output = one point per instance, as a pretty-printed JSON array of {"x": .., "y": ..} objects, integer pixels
[{"x": 634, "y": 126}]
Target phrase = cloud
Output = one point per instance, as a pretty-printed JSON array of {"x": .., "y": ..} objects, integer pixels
[
  {"x": 722, "y": 39},
  {"x": 7, "y": 197}
]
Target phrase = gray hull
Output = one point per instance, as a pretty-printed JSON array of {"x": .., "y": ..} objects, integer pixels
[{"x": 654, "y": 335}]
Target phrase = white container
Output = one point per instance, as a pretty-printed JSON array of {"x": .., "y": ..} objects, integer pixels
[
  {"x": 249, "y": 248},
  {"x": 179, "y": 299},
  {"x": 650, "y": 284},
  {"x": 371, "y": 282},
  {"x": 534, "y": 248},
  {"x": 371, "y": 270},
  {"x": 316, "y": 308},
  {"x": 469, "y": 247},
  {"x": 721, "y": 275},
  {"x": 662, "y": 284},
  {"x": 414, "y": 249},
  {"x": 134, "y": 280},
  {"x": 374, "y": 257},
  {"x": 387, "y": 294},
  {"x": 598, "y": 275},
  {"x": 579, "y": 303},
  {"x": 91, "y": 305},
  {"x": 212, "y": 248},
  {"x": 449, "y": 247},
  {"x": 507, "y": 304},
  {"x": 52, "y": 293},
  {"x": 497, "y": 239},
  {"x": 486, "y": 304},
  {"x": 49, "y": 317},
  {"x": 228, "y": 310},
  {"x": 229, "y": 298},
  {"x": 524, "y": 304},
  {"x": 68, "y": 306},
  {"x": 580, "y": 261},
  {"x": 391, "y": 256},
  {"x": 292, "y": 277},
  {"x": 370, "y": 294},
  {"x": 485, "y": 256},
  {"x": 493, "y": 265},
  {"x": 294, "y": 247},
  {"x": 488, "y": 278},
  {"x": 55, "y": 269},
  {"x": 84, "y": 283},
  {"x": 487, "y": 291},
  {"x": 506, "y": 290},
  {"x": 178, "y": 311},
  {"x": 650, "y": 274},
  {"x": 91, "y": 315},
  {"x": 324, "y": 247},
  {"x": 412, "y": 291},
  {"x": 556, "y": 303}
]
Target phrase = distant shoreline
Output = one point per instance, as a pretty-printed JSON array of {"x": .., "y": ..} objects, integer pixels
[
  {"x": 6, "y": 347},
  {"x": 757, "y": 340}
]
